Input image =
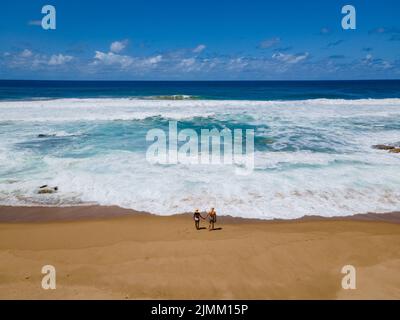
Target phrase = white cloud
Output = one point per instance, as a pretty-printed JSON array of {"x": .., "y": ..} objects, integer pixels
[
  {"x": 290, "y": 58},
  {"x": 199, "y": 48},
  {"x": 59, "y": 59},
  {"x": 26, "y": 53},
  {"x": 112, "y": 59},
  {"x": 268, "y": 43},
  {"x": 153, "y": 60},
  {"x": 28, "y": 59},
  {"x": 368, "y": 57},
  {"x": 118, "y": 46},
  {"x": 187, "y": 62},
  {"x": 370, "y": 61},
  {"x": 125, "y": 62},
  {"x": 38, "y": 61},
  {"x": 237, "y": 63},
  {"x": 197, "y": 64}
]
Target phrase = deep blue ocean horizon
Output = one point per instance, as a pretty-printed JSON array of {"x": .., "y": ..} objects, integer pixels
[{"x": 212, "y": 90}]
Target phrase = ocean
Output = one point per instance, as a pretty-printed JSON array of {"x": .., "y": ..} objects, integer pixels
[{"x": 313, "y": 143}]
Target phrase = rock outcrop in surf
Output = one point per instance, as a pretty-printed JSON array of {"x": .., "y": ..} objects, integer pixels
[
  {"x": 45, "y": 189},
  {"x": 390, "y": 148}
]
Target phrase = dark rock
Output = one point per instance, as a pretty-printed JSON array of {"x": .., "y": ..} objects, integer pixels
[
  {"x": 383, "y": 147},
  {"x": 41, "y": 135},
  {"x": 395, "y": 150},
  {"x": 47, "y": 190}
]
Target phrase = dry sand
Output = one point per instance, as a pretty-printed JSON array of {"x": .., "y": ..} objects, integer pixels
[{"x": 111, "y": 253}]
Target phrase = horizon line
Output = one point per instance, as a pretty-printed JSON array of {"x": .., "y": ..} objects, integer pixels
[{"x": 219, "y": 80}]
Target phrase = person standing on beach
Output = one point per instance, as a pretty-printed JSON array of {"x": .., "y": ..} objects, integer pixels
[
  {"x": 196, "y": 218},
  {"x": 212, "y": 218}
]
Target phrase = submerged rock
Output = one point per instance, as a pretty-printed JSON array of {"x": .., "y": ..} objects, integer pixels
[
  {"x": 41, "y": 135},
  {"x": 45, "y": 189},
  {"x": 266, "y": 140}
]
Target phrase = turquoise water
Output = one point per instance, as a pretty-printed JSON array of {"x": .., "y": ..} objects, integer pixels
[{"x": 311, "y": 156}]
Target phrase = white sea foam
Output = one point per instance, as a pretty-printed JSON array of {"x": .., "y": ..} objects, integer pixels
[
  {"x": 131, "y": 109},
  {"x": 128, "y": 181},
  {"x": 318, "y": 158}
]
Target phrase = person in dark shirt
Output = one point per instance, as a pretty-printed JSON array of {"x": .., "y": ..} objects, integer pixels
[{"x": 196, "y": 217}]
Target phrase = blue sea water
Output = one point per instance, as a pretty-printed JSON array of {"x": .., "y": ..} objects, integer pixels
[
  {"x": 214, "y": 90},
  {"x": 313, "y": 150}
]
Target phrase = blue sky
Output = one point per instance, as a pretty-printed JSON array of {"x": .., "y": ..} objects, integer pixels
[{"x": 200, "y": 40}]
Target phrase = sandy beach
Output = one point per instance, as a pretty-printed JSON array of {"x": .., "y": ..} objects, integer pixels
[{"x": 112, "y": 253}]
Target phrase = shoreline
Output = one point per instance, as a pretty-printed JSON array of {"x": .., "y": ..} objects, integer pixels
[{"x": 23, "y": 214}]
